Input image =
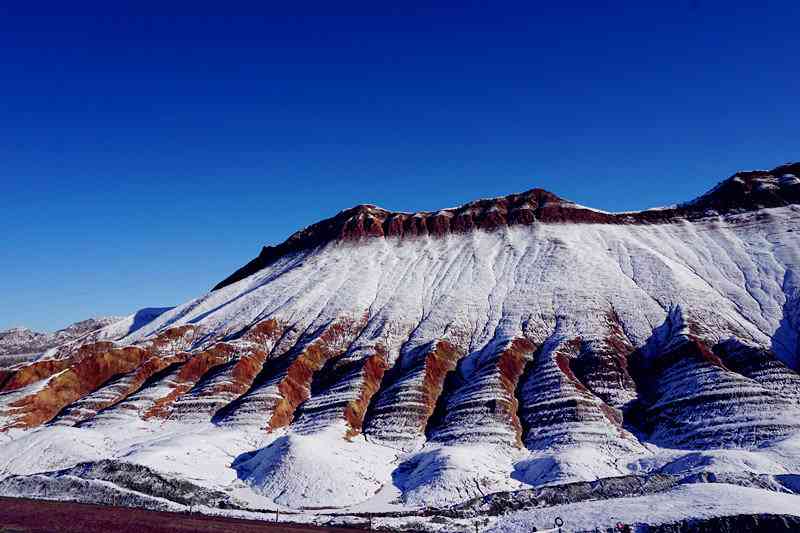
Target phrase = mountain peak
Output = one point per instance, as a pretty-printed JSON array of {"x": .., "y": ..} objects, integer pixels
[
  {"x": 368, "y": 220},
  {"x": 753, "y": 189}
]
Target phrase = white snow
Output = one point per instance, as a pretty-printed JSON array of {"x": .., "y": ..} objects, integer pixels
[
  {"x": 686, "y": 501},
  {"x": 340, "y": 474}
]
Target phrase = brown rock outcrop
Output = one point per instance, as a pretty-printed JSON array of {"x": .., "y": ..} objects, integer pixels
[
  {"x": 116, "y": 390},
  {"x": 220, "y": 386},
  {"x": 191, "y": 371},
  {"x": 29, "y": 373},
  {"x": 373, "y": 370},
  {"x": 558, "y": 409},
  {"x": 80, "y": 379},
  {"x": 285, "y": 380}
]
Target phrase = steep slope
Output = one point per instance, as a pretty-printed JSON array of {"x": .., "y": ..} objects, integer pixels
[
  {"x": 430, "y": 358},
  {"x": 481, "y": 405},
  {"x": 695, "y": 400},
  {"x": 406, "y": 401}
]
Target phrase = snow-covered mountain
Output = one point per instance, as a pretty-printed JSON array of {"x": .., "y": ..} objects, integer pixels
[
  {"x": 26, "y": 341},
  {"x": 382, "y": 361}
]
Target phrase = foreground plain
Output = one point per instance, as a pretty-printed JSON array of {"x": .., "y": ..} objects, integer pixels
[{"x": 20, "y": 515}]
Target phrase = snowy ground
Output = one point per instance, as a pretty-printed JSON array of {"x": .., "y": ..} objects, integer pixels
[
  {"x": 695, "y": 501},
  {"x": 352, "y": 478}
]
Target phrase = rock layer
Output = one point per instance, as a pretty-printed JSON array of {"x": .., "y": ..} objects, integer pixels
[
  {"x": 694, "y": 400},
  {"x": 404, "y": 404},
  {"x": 62, "y": 389},
  {"x": 227, "y": 382},
  {"x": 285, "y": 382},
  {"x": 115, "y": 391},
  {"x": 481, "y": 404},
  {"x": 558, "y": 410}
]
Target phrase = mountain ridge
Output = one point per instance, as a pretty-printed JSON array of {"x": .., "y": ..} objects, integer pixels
[
  {"x": 745, "y": 190},
  {"x": 18, "y": 340}
]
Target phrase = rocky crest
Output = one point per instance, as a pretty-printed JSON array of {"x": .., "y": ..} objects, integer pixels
[{"x": 741, "y": 192}]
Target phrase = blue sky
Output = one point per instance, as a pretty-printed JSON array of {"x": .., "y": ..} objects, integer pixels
[{"x": 146, "y": 155}]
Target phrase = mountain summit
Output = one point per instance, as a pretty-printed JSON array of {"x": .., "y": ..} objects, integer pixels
[
  {"x": 743, "y": 191},
  {"x": 459, "y": 359}
]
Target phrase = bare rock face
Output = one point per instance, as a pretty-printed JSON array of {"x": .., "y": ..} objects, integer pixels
[
  {"x": 156, "y": 396},
  {"x": 220, "y": 386},
  {"x": 27, "y": 374},
  {"x": 44, "y": 400},
  {"x": 40, "y": 390},
  {"x": 559, "y": 410},
  {"x": 187, "y": 376},
  {"x": 601, "y": 364},
  {"x": 754, "y": 189},
  {"x": 742, "y": 191},
  {"x": 342, "y": 391},
  {"x": 227, "y": 382},
  {"x": 285, "y": 382},
  {"x": 115, "y": 391}
]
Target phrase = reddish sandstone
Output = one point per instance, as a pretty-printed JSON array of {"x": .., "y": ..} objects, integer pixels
[
  {"x": 373, "y": 371},
  {"x": 32, "y": 372},
  {"x": 439, "y": 361},
  {"x": 264, "y": 334},
  {"x": 190, "y": 373},
  {"x": 511, "y": 364},
  {"x": 295, "y": 387},
  {"x": 81, "y": 379},
  {"x": 138, "y": 377}
]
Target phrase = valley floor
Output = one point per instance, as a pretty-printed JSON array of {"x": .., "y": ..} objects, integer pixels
[{"x": 176, "y": 468}]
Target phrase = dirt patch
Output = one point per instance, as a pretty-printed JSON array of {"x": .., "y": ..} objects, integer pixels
[{"x": 34, "y": 516}]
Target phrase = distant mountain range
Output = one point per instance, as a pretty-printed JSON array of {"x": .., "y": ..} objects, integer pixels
[{"x": 25, "y": 341}]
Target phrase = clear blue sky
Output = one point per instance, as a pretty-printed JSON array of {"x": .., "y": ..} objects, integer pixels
[{"x": 145, "y": 156}]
